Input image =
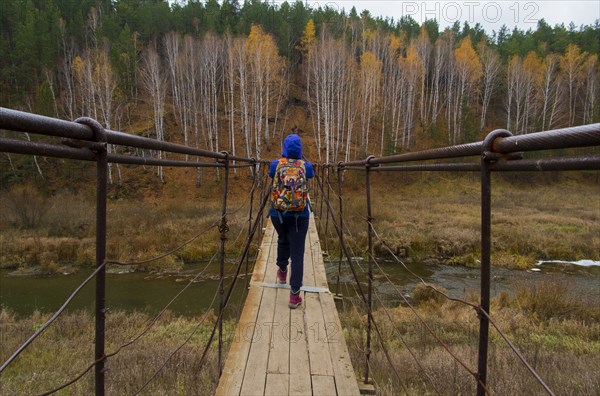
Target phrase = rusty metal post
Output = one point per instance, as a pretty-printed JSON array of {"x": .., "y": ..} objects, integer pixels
[
  {"x": 101, "y": 202},
  {"x": 223, "y": 228},
  {"x": 322, "y": 197},
  {"x": 254, "y": 178},
  {"x": 327, "y": 212},
  {"x": 370, "y": 268},
  {"x": 487, "y": 157},
  {"x": 339, "y": 175}
]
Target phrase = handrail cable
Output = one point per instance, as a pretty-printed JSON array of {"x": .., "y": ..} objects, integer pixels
[
  {"x": 52, "y": 318},
  {"x": 208, "y": 310},
  {"x": 400, "y": 336},
  {"x": 478, "y": 310},
  {"x": 170, "y": 252},
  {"x": 149, "y": 325},
  {"x": 375, "y": 326},
  {"x": 235, "y": 277},
  {"x": 408, "y": 348},
  {"x": 517, "y": 352}
]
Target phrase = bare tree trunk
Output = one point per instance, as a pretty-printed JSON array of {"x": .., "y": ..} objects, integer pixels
[{"x": 155, "y": 82}]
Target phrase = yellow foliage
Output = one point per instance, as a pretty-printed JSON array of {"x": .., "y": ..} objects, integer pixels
[
  {"x": 262, "y": 50},
  {"x": 370, "y": 63},
  {"x": 534, "y": 67},
  {"x": 395, "y": 43},
  {"x": 78, "y": 67},
  {"x": 468, "y": 60},
  {"x": 369, "y": 34},
  {"x": 413, "y": 59},
  {"x": 572, "y": 60},
  {"x": 309, "y": 37}
]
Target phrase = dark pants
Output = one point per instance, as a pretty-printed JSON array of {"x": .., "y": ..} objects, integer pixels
[{"x": 291, "y": 235}]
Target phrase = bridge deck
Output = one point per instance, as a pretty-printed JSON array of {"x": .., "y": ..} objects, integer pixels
[{"x": 282, "y": 351}]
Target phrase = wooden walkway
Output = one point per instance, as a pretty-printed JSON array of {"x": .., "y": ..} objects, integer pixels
[{"x": 282, "y": 351}]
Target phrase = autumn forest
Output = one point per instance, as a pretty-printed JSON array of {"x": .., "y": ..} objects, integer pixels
[{"x": 227, "y": 76}]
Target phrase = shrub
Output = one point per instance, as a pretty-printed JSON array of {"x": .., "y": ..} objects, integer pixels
[
  {"x": 27, "y": 206},
  {"x": 428, "y": 294},
  {"x": 549, "y": 298}
]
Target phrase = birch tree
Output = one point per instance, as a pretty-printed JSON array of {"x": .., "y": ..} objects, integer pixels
[
  {"x": 571, "y": 64},
  {"x": 266, "y": 69},
  {"x": 551, "y": 87},
  {"x": 154, "y": 81},
  {"x": 490, "y": 62},
  {"x": 468, "y": 73},
  {"x": 370, "y": 76},
  {"x": 590, "y": 74},
  {"x": 411, "y": 73}
]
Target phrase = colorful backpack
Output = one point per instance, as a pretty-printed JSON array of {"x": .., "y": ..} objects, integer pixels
[{"x": 289, "y": 192}]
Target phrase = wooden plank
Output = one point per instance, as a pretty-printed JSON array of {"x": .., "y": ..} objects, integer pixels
[
  {"x": 260, "y": 267},
  {"x": 317, "y": 257},
  {"x": 256, "y": 372},
  {"x": 318, "y": 351},
  {"x": 279, "y": 351},
  {"x": 233, "y": 371},
  {"x": 235, "y": 365},
  {"x": 270, "y": 275},
  {"x": 299, "y": 363},
  {"x": 277, "y": 384},
  {"x": 279, "y": 356},
  {"x": 309, "y": 270},
  {"x": 323, "y": 385},
  {"x": 340, "y": 358}
]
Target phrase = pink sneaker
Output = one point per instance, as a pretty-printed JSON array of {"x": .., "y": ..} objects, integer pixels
[
  {"x": 281, "y": 277},
  {"x": 295, "y": 300}
]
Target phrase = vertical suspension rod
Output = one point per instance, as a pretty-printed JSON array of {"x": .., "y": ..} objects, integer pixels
[
  {"x": 101, "y": 153},
  {"x": 339, "y": 175},
  {"x": 487, "y": 157},
  {"x": 223, "y": 228},
  {"x": 370, "y": 268}
]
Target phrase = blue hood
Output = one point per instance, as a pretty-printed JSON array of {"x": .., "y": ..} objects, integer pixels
[{"x": 292, "y": 147}]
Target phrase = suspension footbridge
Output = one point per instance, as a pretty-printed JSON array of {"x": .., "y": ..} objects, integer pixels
[
  {"x": 275, "y": 350},
  {"x": 282, "y": 351}
]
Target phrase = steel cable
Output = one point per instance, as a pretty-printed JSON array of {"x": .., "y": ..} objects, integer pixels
[
  {"x": 139, "y": 336},
  {"x": 474, "y": 306},
  {"x": 52, "y": 318},
  {"x": 225, "y": 301}
]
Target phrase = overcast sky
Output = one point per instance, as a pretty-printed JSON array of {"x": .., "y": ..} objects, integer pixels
[{"x": 490, "y": 14}]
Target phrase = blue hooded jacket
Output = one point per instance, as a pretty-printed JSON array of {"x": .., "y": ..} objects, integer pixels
[{"x": 292, "y": 148}]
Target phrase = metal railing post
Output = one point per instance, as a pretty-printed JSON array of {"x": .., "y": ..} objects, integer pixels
[
  {"x": 101, "y": 202},
  {"x": 223, "y": 228},
  {"x": 339, "y": 175},
  {"x": 326, "y": 196},
  {"x": 370, "y": 268},
  {"x": 487, "y": 157},
  {"x": 322, "y": 197},
  {"x": 254, "y": 179}
]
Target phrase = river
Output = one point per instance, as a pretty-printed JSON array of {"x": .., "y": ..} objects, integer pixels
[{"x": 151, "y": 292}]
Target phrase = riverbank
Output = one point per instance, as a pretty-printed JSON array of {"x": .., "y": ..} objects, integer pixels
[
  {"x": 557, "y": 334},
  {"x": 420, "y": 218}
]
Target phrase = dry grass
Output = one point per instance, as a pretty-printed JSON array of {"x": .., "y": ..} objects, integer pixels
[
  {"x": 422, "y": 217},
  {"x": 138, "y": 229},
  {"x": 563, "y": 348},
  {"x": 429, "y": 217},
  {"x": 67, "y": 347}
]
